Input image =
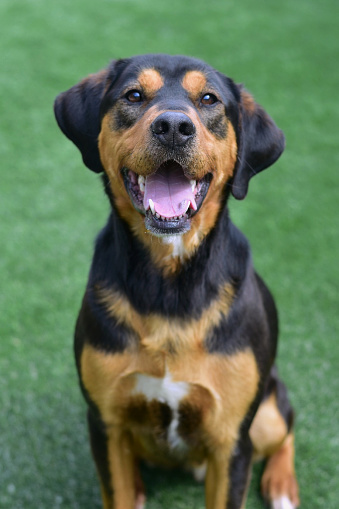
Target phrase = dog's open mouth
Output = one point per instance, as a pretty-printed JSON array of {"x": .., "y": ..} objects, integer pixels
[{"x": 167, "y": 198}]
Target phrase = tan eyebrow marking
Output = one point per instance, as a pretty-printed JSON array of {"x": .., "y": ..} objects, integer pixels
[
  {"x": 194, "y": 82},
  {"x": 248, "y": 101},
  {"x": 150, "y": 80}
]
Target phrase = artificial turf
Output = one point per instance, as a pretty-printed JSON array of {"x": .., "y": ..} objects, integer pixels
[{"x": 286, "y": 53}]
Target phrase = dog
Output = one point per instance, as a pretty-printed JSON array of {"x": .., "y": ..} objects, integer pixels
[{"x": 176, "y": 338}]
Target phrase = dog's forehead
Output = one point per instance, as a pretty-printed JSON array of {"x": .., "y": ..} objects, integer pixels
[{"x": 157, "y": 72}]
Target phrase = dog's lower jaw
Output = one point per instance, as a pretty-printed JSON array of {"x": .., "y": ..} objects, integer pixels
[
  {"x": 170, "y": 251},
  {"x": 171, "y": 228}
]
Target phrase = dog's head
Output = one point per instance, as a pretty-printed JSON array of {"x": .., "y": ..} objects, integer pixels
[{"x": 172, "y": 135}]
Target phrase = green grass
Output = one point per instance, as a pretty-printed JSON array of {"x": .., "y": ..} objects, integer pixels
[{"x": 51, "y": 209}]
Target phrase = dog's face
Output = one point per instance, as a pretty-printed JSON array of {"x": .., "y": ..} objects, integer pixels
[
  {"x": 171, "y": 134},
  {"x": 165, "y": 133}
]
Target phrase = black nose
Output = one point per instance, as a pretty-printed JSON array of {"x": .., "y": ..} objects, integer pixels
[{"x": 173, "y": 128}]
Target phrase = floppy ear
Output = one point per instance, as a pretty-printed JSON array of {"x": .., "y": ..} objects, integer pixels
[
  {"x": 260, "y": 143},
  {"x": 78, "y": 115}
]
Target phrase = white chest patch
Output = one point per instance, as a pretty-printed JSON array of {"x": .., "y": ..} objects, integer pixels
[
  {"x": 165, "y": 390},
  {"x": 178, "y": 245}
]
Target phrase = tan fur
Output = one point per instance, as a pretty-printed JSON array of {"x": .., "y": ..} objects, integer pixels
[
  {"x": 222, "y": 387},
  {"x": 232, "y": 382},
  {"x": 248, "y": 102},
  {"x": 157, "y": 332},
  {"x": 121, "y": 459},
  {"x": 217, "y": 479},
  {"x": 128, "y": 147},
  {"x": 269, "y": 429},
  {"x": 194, "y": 82},
  {"x": 279, "y": 476},
  {"x": 151, "y": 81}
]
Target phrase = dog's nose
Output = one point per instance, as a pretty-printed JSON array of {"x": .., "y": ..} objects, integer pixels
[{"x": 173, "y": 129}]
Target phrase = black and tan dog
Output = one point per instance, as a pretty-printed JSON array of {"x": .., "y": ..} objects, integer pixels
[{"x": 177, "y": 334}]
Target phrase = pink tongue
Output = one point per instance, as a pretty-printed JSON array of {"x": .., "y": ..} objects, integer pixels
[{"x": 170, "y": 191}]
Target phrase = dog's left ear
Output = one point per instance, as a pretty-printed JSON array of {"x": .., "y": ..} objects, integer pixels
[
  {"x": 78, "y": 115},
  {"x": 260, "y": 141}
]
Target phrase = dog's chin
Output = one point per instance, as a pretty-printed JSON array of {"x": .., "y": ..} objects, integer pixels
[
  {"x": 160, "y": 228},
  {"x": 161, "y": 223}
]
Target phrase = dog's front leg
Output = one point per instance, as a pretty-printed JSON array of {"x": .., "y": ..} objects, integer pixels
[
  {"x": 228, "y": 475},
  {"x": 115, "y": 461},
  {"x": 216, "y": 482},
  {"x": 122, "y": 466}
]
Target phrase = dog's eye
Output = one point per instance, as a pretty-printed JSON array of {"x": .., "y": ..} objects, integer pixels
[
  {"x": 208, "y": 99},
  {"x": 133, "y": 96}
]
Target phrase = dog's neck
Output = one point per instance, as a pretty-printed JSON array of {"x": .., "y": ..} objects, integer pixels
[
  {"x": 170, "y": 253},
  {"x": 123, "y": 263}
]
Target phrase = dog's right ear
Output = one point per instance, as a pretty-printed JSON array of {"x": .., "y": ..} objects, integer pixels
[{"x": 78, "y": 115}]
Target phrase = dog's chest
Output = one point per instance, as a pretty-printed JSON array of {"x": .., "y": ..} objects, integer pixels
[
  {"x": 174, "y": 406},
  {"x": 164, "y": 398}
]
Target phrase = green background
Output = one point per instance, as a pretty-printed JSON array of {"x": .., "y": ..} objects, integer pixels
[{"x": 51, "y": 208}]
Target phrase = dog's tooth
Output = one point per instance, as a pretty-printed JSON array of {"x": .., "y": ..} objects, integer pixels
[
  {"x": 193, "y": 205},
  {"x": 157, "y": 215},
  {"x": 193, "y": 184},
  {"x": 151, "y": 206},
  {"x": 141, "y": 183}
]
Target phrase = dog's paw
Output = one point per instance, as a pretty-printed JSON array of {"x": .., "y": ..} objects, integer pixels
[
  {"x": 279, "y": 485},
  {"x": 282, "y": 503},
  {"x": 199, "y": 472},
  {"x": 140, "y": 501},
  {"x": 280, "y": 488}
]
